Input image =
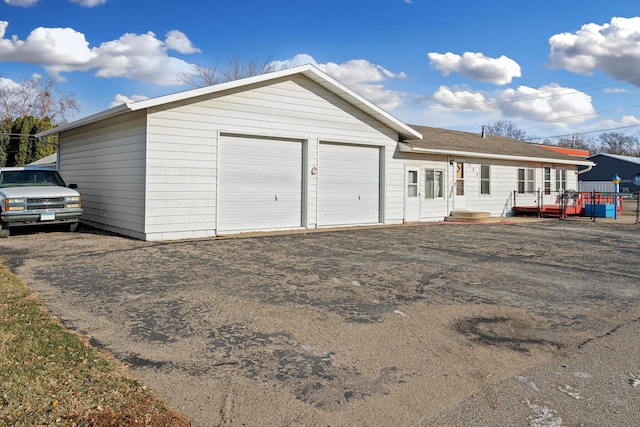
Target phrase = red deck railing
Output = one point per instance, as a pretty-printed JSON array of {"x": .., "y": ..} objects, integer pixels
[{"x": 568, "y": 203}]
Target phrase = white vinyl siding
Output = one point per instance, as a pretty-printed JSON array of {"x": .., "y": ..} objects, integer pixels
[
  {"x": 290, "y": 108},
  {"x": 259, "y": 184},
  {"x": 107, "y": 161},
  {"x": 349, "y": 185}
]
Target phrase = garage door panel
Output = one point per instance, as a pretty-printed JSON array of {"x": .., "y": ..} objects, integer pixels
[
  {"x": 260, "y": 184},
  {"x": 349, "y": 185}
]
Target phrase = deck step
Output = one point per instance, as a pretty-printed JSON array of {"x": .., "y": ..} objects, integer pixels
[{"x": 472, "y": 217}]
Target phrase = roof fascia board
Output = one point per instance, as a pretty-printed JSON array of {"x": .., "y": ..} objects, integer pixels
[{"x": 408, "y": 149}]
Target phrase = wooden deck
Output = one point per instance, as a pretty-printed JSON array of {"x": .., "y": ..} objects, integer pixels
[{"x": 570, "y": 206}]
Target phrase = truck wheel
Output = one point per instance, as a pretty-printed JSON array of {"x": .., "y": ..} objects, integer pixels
[
  {"x": 4, "y": 232},
  {"x": 73, "y": 227}
]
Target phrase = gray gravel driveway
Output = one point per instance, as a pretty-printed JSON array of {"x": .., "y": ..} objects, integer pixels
[{"x": 433, "y": 324}]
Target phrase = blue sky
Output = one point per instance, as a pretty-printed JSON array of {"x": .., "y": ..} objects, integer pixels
[{"x": 552, "y": 67}]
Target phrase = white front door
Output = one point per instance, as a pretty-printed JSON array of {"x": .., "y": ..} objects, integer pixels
[
  {"x": 412, "y": 195},
  {"x": 458, "y": 186}
]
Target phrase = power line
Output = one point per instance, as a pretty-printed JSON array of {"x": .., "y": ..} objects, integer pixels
[{"x": 584, "y": 133}]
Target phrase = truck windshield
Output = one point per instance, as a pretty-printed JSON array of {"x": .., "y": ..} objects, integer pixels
[{"x": 30, "y": 178}]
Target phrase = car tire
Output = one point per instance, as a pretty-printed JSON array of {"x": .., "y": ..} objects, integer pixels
[{"x": 4, "y": 232}]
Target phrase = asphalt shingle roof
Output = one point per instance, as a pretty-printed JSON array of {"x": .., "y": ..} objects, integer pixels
[{"x": 453, "y": 140}]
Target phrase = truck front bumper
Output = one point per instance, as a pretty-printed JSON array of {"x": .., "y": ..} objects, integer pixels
[{"x": 20, "y": 219}]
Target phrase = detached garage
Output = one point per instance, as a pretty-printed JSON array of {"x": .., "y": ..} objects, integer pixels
[{"x": 293, "y": 149}]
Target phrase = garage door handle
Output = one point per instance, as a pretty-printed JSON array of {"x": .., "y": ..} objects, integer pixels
[{"x": 276, "y": 197}]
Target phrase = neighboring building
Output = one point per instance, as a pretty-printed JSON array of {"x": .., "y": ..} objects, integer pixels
[
  {"x": 293, "y": 149},
  {"x": 49, "y": 162},
  {"x": 577, "y": 152},
  {"x": 600, "y": 177}
]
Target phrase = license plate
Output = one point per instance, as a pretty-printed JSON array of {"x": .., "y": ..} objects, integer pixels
[{"x": 47, "y": 217}]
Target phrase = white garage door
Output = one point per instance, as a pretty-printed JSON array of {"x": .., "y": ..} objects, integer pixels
[
  {"x": 259, "y": 184},
  {"x": 349, "y": 185}
]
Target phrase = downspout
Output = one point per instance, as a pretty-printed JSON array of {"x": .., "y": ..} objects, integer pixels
[{"x": 585, "y": 170}]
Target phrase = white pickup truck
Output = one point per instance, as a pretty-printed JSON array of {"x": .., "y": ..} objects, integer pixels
[{"x": 36, "y": 196}]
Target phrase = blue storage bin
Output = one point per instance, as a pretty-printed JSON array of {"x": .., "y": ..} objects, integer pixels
[{"x": 601, "y": 211}]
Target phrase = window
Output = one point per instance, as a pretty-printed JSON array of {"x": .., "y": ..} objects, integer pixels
[
  {"x": 547, "y": 180},
  {"x": 433, "y": 184},
  {"x": 485, "y": 179},
  {"x": 526, "y": 180},
  {"x": 561, "y": 179},
  {"x": 412, "y": 184},
  {"x": 459, "y": 179}
]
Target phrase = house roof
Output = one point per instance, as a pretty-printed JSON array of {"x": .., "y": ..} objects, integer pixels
[
  {"x": 468, "y": 144},
  {"x": 629, "y": 159},
  {"x": 308, "y": 71}
]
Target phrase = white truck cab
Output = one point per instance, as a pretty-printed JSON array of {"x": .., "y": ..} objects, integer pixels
[{"x": 36, "y": 196}]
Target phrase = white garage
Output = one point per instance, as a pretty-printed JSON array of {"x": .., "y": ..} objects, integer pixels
[
  {"x": 292, "y": 149},
  {"x": 348, "y": 184},
  {"x": 259, "y": 184}
]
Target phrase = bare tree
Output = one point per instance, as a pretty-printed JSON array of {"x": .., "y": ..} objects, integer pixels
[
  {"x": 235, "y": 69},
  {"x": 618, "y": 143},
  {"x": 508, "y": 129},
  {"x": 37, "y": 97},
  {"x": 579, "y": 141}
]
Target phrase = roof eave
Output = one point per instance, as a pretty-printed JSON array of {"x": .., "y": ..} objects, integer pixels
[
  {"x": 406, "y": 148},
  {"x": 120, "y": 109}
]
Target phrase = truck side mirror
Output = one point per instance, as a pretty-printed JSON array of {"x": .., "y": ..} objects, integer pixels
[{"x": 73, "y": 186}]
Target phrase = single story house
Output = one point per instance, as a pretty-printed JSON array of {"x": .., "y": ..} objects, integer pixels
[
  {"x": 292, "y": 149},
  {"x": 600, "y": 177}
]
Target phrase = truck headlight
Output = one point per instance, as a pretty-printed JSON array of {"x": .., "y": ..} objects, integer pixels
[
  {"x": 73, "y": 202},
  {"x": 14, "y": 204}
]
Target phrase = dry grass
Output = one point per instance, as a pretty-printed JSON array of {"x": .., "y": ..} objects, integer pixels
[{"x": 51, "y": 376}]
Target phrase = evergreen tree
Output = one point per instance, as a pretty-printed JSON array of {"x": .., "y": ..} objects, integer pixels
[{"x": 23, "y": 147}]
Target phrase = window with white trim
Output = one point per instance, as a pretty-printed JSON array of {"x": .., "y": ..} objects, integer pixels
[
  {"x": 561, "y": 179},
  {"x": 526, "y": 180},
  {"x": 547, "y": 180},
  {"x": 433, "y": 184},
  {"x": 485, "y": 179}
]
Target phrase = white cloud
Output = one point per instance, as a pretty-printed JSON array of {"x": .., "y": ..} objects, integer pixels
[
  {"x": 178, "y": 41},
  {"x": 359, "y": 75},
  {"x": 141, "y": 57},
  {"x": 8, "y": 83},
  {"x": 613, "y": 48},
  {"x": 613, "y": 124},
  {"x": 615, "y": 90},
  {"x": 462, "y": 98},
  {"x": 89, "y": 3},
  {"x": 547, "y": 103},
  {"x": 120, "y": 99},
  {"x": 476, "y": 66},
  {"x": 21, "y": 3},
  {"x": 26, "y": 3}
]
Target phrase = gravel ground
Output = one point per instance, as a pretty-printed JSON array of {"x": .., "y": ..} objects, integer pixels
[{"x": 529, "y": 323}]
